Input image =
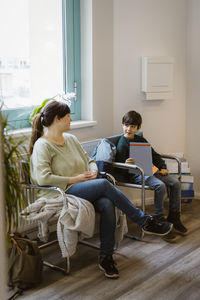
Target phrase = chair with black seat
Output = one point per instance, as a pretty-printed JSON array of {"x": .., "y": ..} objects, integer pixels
[
  {"x": 31, "y": 229},
  {"x": 109, "y": 165}
]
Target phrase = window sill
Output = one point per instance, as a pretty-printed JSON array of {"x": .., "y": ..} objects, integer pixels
[
  {"x": 82, "y": 124},
  {"x": 74, "y": 125}
]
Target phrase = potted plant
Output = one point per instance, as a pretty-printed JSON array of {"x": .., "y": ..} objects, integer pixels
[{"x": 12, "y": 150}]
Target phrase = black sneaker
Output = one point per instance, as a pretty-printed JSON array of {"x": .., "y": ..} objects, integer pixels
[
  {"x": 153, "y": 226},
  {"x": 160, "y": 217},
  {"x": 174, "y": 218},
  {"x": 179, "y": 227},
  {"x": 170, "y": 237},
  {"x": 107, "y": 265}
]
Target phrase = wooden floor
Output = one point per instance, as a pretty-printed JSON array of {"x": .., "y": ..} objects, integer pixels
[{"x": 151, "y": 269}]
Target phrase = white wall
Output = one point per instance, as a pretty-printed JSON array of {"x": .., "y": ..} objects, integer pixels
[
  {"x": 193, "y": 96},
  {"x": 97, "y": 67},
  {"x": 150, "y": 28}
]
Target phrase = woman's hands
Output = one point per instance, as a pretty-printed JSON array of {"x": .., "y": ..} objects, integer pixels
[{"x": 88, "y": 175}]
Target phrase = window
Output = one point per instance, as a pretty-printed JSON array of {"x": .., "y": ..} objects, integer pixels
[
  {"x": 72, "y": 54},
  {"x": 39, "y": 55}
]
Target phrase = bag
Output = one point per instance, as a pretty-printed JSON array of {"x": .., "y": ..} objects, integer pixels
[
  {"x": 25, "y": 263},
  {"x": 104, "y": 151}
]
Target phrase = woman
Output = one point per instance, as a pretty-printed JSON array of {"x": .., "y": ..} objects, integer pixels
[{"x": 59, "y": 160}]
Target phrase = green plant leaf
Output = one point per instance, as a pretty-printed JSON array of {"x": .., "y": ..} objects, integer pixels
[
  {"x": 12, "y": 152},
  {"x": 38, "y": 109}
]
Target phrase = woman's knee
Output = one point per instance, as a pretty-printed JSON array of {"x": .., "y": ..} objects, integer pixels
[
  {"x": 105, "y": 184},
  {"x": 104, "y": 205},
  {"x": 104, "y": 181}
]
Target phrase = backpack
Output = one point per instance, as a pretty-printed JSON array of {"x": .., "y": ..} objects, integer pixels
[
  {"x": 24, "y": 264},
  {"x": 104, "y": 151}
]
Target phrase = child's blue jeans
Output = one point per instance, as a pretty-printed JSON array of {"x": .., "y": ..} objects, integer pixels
[{"x": 161, "y": 184}]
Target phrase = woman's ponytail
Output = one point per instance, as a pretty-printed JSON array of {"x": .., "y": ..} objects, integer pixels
[{"x": 37, "y": 130}]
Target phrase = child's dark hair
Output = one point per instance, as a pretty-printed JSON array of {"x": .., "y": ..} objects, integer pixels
[
  {"x": 132, "y": 118},
  {"x": 46, "y": 117}
]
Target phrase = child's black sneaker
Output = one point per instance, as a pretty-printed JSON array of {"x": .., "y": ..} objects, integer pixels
[
  {"x": 179, "y": 227},
  {"x": 174, "y": 218},
  {"x": 170, "y": 237},
  {"x": 160, "y": 217},
  {"x": 107, "y": 265},
  {"x": 153, "y": 226}
]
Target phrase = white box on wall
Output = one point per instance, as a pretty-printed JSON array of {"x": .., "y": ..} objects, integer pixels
[{"x": 157, "y": 77}]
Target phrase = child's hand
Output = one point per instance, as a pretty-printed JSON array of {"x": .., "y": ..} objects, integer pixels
[
  {"x": 163, "y": 172},
  {"x": 130, "y": 161}
]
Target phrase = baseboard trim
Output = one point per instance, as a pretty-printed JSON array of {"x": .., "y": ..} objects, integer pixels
[{"x": 137, "y": 201}]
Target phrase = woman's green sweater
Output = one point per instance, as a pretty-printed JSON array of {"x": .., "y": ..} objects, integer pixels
[{"x": 52, "y": 164}]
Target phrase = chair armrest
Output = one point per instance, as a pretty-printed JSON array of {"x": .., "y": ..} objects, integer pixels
[
  {"x": 140, "y": 171},
  {"x": 108, "y": 176},
  {"x": 39, "y": 187},
  {"x": 128, "y": 166},
  {"x": 177, "y": 160}
]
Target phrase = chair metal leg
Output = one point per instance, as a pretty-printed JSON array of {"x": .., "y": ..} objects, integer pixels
[
  {"x": 134, "y": 237},
  {"x": 47, "y": 264},
  {"x": 65, "y": 270},
  {"x": 48, "y": 244},
  {"x": 89, "y": 244}
]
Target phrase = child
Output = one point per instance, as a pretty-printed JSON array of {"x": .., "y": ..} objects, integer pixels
[{"x": 131, "y": 123}]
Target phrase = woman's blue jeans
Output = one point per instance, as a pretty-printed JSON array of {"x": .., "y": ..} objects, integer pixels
[
  {"x": 105, "y": 196},
  {"x": 162, "y": 184}
]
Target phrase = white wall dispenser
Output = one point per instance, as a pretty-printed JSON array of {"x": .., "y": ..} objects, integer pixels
[{"x": 157, "y": 77}]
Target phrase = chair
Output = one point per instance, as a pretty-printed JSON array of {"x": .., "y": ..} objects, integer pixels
[
  {"x": 113, "y": 140},
  {"x": 29, "y": 192}
]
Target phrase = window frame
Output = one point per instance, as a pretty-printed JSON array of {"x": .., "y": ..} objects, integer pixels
[
  {"x": 18, "y": 118},
  {"x": 72, "y": 54}
]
